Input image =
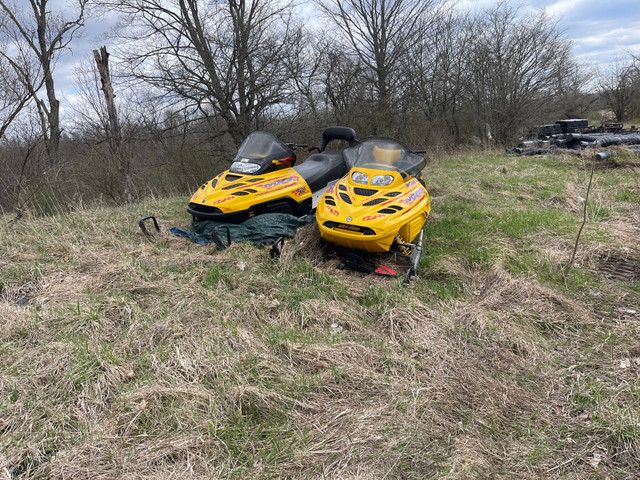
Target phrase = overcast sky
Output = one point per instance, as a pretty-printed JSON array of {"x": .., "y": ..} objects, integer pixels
[{"x": 600, "y": 30}]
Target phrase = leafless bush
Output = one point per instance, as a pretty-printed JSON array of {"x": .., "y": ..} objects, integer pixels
[
  {"x": 193, "y": 79},
  {"x": 619, "y": 87}
]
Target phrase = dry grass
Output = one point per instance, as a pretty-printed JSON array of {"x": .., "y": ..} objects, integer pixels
[{"x": 128, "y": 357}]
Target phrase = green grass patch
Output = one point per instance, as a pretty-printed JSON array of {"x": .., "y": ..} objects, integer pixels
[{"x": 145, "y": 356}]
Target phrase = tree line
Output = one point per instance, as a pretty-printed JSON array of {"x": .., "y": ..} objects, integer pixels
[{"x": 192, "y": 78}]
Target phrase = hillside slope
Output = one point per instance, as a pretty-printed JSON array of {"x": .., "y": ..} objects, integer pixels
[{"x": 124, "y": 357}]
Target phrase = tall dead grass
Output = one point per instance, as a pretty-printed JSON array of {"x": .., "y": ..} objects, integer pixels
[{"x": 128, "y": 357}]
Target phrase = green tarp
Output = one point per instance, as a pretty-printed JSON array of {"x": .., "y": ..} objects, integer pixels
[{"x": 259, "y": 230}]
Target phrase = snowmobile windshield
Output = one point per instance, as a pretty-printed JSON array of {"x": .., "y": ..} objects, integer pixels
[
  {"x": 384, "y": 154},
  {"x": 258, "y": 151}
]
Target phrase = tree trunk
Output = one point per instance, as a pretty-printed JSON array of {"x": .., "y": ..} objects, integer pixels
[
  {"x": 114, "y": 132},
  {"x": 53, "y": 112}
]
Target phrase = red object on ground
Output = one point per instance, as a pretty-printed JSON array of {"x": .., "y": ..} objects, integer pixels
[{"x": 386, "y": 271}]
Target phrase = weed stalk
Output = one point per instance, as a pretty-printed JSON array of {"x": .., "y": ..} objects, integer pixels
[{"x": 584, "y": 212}]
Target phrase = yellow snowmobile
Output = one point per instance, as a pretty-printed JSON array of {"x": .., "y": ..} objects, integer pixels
[
  {"x": 263, "y": 179},
  {"x": 382, "y": 203}
]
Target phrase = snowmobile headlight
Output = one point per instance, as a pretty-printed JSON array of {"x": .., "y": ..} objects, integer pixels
[
  {"x": 382, "y": 180},
  {"x": 244, "y": 167},
  {"x": 360, "y": 178}
]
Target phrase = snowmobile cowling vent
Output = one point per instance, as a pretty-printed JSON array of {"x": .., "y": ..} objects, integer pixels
[{"x": 365, "y": 192}]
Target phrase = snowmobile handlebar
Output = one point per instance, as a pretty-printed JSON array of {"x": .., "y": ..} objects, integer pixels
[{"x": 296, "y": 145}]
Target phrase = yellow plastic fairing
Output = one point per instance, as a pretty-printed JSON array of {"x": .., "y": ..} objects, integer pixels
[
  {"x": 369, "y": 217},
  {"x": 244, "y": 195}
]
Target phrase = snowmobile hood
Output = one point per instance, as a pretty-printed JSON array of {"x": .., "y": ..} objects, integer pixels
[
  {"x": 230, "y": 194},
  {"x": 371, "y": 216}
]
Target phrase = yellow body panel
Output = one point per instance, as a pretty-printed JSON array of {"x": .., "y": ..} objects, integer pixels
[
  {"x": 231, "y": 192},
  {"x": 371, "y": 219}
]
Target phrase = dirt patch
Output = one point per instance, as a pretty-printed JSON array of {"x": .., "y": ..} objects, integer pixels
[
  {"x": 308, "y": 245},
  {"x": 21, "y": 296},
  {"x": 627, "y": 230}
]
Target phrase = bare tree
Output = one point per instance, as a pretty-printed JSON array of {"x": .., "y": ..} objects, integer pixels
[
  {"x": 14, "y": 96},
  {"x": 619, "y": 87},
  {"x": 379, "y": 32},
  {"x": 342, "y": 84},
  {"x": 20, "y": 162},
  {"x": 114, "y": 133},
  {"x": 515, "y": 63},
  {"x": 305, "y": 68},
  {"x": 38, "y": 35},
  {"x": 437, "y": 72},
  {"x": 224, "y": 59}
]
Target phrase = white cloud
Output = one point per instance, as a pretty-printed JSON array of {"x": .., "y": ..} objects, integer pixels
[
  {"x": 600, "y": 30},
  {"x": 563, "y": 7}
]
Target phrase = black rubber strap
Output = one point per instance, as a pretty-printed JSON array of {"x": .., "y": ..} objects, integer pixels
[
  {"x": 276, "y": 247},
  {"x": 144, "y": 228},
  {"x": 217, "y": 233}
]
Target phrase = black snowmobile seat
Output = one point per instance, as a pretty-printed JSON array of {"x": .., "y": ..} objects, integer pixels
[
  {"x": 338, "y": 133},
  {"x": 321, "y": 168}
]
